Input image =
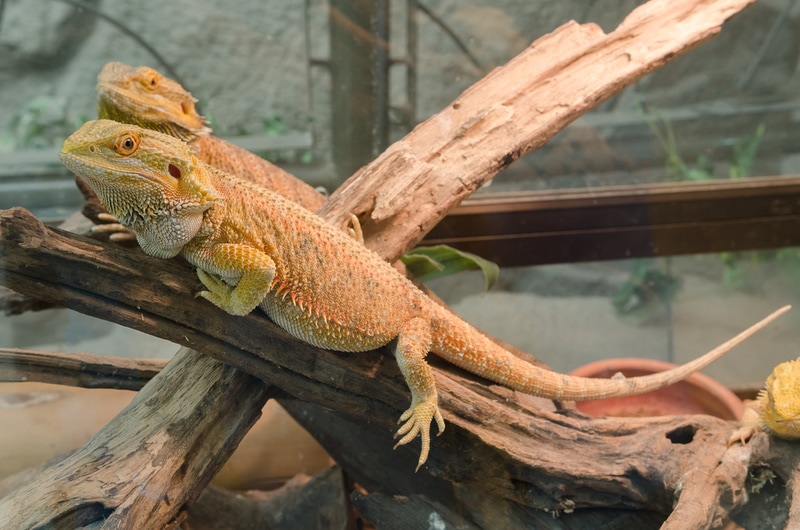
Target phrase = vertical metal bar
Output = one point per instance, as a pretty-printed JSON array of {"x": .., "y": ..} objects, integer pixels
[
  {"x": 359, "y": 74},
  {"x": 381, "y": 64},
  {"x": 412, "y": 18}
]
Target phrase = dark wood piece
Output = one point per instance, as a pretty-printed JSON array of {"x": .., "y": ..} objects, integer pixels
[
  {"x": 315, "y": 504},
  {"x": 620, "y": 222},
  {"x": 76, "y": 369}
]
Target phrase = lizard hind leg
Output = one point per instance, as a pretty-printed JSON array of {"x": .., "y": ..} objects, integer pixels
[{"x": 413, "y": 344}]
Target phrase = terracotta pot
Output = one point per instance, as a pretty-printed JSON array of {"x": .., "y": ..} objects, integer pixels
[{"x": 697, "y": 394}]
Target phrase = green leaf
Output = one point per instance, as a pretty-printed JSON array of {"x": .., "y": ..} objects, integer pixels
[{"x": 427, "y": 263}]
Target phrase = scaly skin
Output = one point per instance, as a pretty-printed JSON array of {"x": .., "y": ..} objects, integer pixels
[
  {"x": 777, "y": 409},
  {"x": 254, "y": 248},
  {"x": 141, "y": 96}
]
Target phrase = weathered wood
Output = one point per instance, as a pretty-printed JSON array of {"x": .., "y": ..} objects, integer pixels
[
  {"x": 76, "y": 369},
  {"x": 515, "y": 109},
  {"x": 317, "y": 503},
  {"x": 479, "y": 464},
  {"x": 157, "y": 462}
]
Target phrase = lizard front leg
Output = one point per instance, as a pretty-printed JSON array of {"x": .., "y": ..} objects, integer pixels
[
  {"x": 254, "y": 269},
  {"x": 413, "y": 344}
]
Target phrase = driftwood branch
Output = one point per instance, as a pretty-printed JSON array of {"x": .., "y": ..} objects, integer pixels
[
  {"x": 501, "y": 461},
  {"x": 623, "y": 463},
  {"x": 515, "y": 109},
  {"x": 387, "y": 512},
  {"x": 76, "y": 369},
  {"x": 154, "y": 465}
]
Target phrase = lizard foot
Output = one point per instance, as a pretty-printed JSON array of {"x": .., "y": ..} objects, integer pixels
[
  {"x": 115, "y": 231},
  {"x": 742, "y": 434},
  {"x": 218, "y": 293},
  {"x": 417, "y": 420}
]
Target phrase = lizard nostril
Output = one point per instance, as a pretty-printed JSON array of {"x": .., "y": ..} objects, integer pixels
[{"x": 92, "y": 148}]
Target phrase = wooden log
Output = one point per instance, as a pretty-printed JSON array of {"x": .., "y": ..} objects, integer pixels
[
  {"x": 316, "y": 503},
  {"x": 625, "y": 463},
  {"x": 76, "y": 369},
  {"x": 50, "y": 420},
  {"x": 158, "y": 462}
]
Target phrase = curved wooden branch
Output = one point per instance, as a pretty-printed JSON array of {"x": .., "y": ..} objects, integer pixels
[
  {"x": 76, "y": 369},
  {"x": 625, "y": 463},
  {"x": 515, "y": 109}
]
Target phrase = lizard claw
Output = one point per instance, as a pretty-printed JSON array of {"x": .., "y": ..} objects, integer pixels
[
  {"x": 742, "y": 435},
  {"x": 218, "y": 292},
  {"x": 417, "y": 421}
]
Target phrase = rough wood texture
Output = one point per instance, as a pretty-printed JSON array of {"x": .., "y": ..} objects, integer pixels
[
  {"x": 479, "y": 466},
  {"x": 76, "y": 369},
  {"x": 513, "y": 110},
  {"x": 315, "y": 504},
  {"x": 138, "y": 472},
  {"x": 500, "y": 462}
]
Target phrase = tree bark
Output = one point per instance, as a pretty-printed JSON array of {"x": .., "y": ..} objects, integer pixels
[
  {"x": 137, "y": 469},
  {"x": 502, "y": 461}
]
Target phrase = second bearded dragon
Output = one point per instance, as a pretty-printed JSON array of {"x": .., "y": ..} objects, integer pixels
[{"x": 253, "y": 248}]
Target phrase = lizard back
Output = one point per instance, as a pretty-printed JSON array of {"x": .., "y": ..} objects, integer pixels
[{"x": 356, "y": 307}]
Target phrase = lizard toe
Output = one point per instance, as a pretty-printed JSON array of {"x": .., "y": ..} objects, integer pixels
[{"x": 417, "y": 421}]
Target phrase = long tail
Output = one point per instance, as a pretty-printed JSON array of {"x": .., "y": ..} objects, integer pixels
[{"x": 461, "y": 344}]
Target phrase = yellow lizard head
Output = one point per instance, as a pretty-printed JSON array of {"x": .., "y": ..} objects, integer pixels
[
  {"x": 780, "y": 400},
  {"x": 149, "y": 180},
  {"x": 141, "y": 96}
]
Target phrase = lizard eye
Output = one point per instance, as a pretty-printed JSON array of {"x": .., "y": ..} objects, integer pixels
[
  {"x": 126, "y": 144},
  {"x": 151, "y": 80},
  {"x": 174, "y": 170}
]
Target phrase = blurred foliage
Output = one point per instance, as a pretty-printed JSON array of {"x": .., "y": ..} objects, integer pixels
[
  {"x": 43, "y": 122},
  {"x": 743, "y": 152},
  {"x": 647, "y": 292},
  {"x": 275, "y": 126}
]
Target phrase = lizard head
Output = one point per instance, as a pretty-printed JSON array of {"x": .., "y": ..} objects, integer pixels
[
  {"x": 141, "y": 96},
  {"x": 781, "y": 400},
  {"x": 149, "y": 180}
]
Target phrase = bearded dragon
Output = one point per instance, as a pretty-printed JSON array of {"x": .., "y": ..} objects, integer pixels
[
  {"x": 253, "y": 248},
  {"x": 777, "y": 409},
  {"x": 142, "y": 96}
]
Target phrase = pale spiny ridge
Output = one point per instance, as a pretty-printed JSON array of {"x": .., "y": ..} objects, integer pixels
[{"x": 459, "y": 343}]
